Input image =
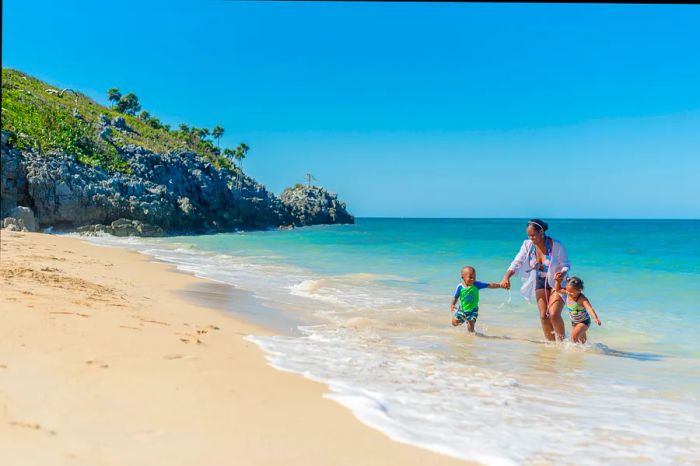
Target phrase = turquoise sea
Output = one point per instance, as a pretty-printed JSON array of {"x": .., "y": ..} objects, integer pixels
[{"x": 370, "y": 303}]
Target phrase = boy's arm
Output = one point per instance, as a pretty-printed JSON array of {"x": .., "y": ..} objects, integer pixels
[
  {"x": 587, "y": 304},
  {"x": 455, "y": 297},
  {"x": 482, "y": 285}
]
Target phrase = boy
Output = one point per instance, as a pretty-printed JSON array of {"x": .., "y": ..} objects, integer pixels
[{"x": 467, "y": 294}]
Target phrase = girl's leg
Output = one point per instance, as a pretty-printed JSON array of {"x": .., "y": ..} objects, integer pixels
[
  {"x": 470, "y": 325},
  {"x": 578, "y": 333},
  {"x": 555, "y": 307},
  {"x": 547, "y": 328}
]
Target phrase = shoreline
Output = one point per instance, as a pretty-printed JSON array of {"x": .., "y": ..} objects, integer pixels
[{"x": 106, "y": 361}]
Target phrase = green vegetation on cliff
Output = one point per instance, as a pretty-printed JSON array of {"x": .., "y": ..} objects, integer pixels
[{"x": 47, "y": 119}]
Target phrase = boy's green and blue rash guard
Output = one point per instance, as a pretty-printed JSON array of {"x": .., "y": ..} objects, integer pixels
[{"x": 468, "y": 296}]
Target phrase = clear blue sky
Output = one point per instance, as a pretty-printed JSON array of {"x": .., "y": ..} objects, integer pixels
[{"x": 408, "y": 110}]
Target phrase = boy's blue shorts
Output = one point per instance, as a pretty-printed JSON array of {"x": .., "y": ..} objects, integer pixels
[{"x": 464, "y": 316}]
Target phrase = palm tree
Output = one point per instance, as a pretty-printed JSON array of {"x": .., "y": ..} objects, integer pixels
[
  {"x": 240, "y": 153},
  {"x": 230, "y": 155},
  {"x": 216, "y": 133},
  {"x": 184, "y": 132},
  {"x": 114, "y": 95}
]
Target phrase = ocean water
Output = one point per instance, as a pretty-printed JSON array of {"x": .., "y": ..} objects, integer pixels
[{"x": 374, "y": 302}]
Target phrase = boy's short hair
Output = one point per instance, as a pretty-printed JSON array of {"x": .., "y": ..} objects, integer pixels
[{"x": 468, "y": 267}]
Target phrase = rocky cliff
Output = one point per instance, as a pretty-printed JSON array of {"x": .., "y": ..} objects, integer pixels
[
  {"x": 76, "y": 163},
  {"x": 178, "y": 192}
]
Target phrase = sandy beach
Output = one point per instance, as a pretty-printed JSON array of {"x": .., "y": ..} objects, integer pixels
[{"x": 102, "y": 362}]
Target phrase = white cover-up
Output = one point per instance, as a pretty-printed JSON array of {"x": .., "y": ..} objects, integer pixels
[{"x": 559, "y": 261}]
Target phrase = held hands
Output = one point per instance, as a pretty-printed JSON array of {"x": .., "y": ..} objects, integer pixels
[
  {"x": 558, "y": 277},
  {"x": 505, "y": 283}
]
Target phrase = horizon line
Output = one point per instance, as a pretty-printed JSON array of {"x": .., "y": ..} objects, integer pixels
[{"x": 525, "y": 218}]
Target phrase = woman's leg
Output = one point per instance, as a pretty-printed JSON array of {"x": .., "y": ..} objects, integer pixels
[
  {"x": 547, "y": 328},
  {"x": 555, "y": 307},
  {"x": 578, "y": 333}
]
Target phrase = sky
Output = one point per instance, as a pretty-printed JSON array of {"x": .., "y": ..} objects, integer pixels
[{"x": 407, "y": 109}]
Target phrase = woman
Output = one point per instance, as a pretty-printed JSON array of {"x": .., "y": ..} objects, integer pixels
[{"x": 539, "y": 259}]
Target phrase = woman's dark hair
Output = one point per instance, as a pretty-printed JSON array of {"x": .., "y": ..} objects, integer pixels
[
  {"x": 576, "y": 282},
  {"x": 539, "y": 225}
]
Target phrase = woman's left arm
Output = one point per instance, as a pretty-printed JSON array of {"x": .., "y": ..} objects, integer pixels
[{"x": 563, "y": 257}]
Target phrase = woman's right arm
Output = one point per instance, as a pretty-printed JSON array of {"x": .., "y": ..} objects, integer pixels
[{"x": 517, "y": 263}]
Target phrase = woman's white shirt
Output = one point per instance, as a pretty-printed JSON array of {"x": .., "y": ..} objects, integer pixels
[{"x": 524, "y": 263}]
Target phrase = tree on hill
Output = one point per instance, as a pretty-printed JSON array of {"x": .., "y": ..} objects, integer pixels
[
  {"x": 230, "y": 155},
  {"x": 202, "y": 133},
  {"x": 128, "y": 104},
  {"x": 216, "y": 133},
  {"x": 114, "y": 95},
  {"x": 153, "y": 122},
  {"x": 239, "y": 154}
]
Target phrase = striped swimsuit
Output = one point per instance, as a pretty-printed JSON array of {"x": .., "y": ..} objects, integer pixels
[{"x": 577, "y": 312}]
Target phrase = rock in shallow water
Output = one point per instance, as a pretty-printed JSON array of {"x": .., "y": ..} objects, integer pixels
[{"x": 313, "y": 205}]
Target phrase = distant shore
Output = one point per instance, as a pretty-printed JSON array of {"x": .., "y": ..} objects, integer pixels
[{"x": 103, "y": 361}]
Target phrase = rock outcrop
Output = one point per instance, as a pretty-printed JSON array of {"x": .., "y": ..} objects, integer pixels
[
  {"x": 313, "y": 205},
  {"x": 122, "y": 227},
  {"x": 178, "y": 191},
  {"x": 21, "y": 219}
]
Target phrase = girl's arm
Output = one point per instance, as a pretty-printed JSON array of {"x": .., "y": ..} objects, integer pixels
[
  {"x": 558, "y": 278},
  {"x": 587, "y": 304},
  {"x": 557, "y": 286}
]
